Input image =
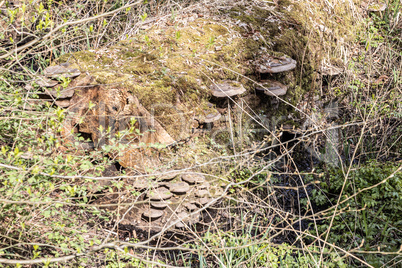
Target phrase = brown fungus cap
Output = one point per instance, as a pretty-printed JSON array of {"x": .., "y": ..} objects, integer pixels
[
  {"x": 61, "y": 94},
  {"x": 190, "y": 206},
  {"x": 45, "y": 82},
  {"x": 179, "y": 187},
  {"x": 61, "y": 70},
  {"x": 183, "y": 217},
  {"x": 160, "y": 193},
  {"x": 193, "y": 178},
  {"x": 160, "y": 205},
  {"x": 152, "y": 214},
  {"x": 202, "y": 193},
  {"x": 63, "y": 103},
  {"x": 207, "y": 115},
  {"x": 272, "y": 64},
  {"x": 227, "y": 88},
  {"x": 142, "y": 183},
  {"x": 272, "y": 88},
  {"x": 213, "y": 117}
]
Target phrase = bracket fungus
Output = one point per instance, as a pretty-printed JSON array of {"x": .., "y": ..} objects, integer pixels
[
  {"x": 179, "y": 187},
  {"x": 142, "y": 183},
  {"x": 272, "y": 88},
  {"x": 161, "y": 205},
  {"x": 208, "y": 115},
  {"x": 164, "y": 202},
  {"x": 193, "y": 178},
  {"x": 63, "y": 103},
  {"x": 203, "y": 201},
  {"x": 190, "y": 206},
  {"x": 152, "y": 214},
  {"x": 227, "y": 88},
  {"x": 45, "y": 82},
  {"x": 202, "y": 193},
  {"x": 57, "y": 92},
  {"x": 62, "y": 94},
  {"x": 61, "y": 70},
  {"x": 272, "y": 64},
  {"x": 158, "y": 194},
  {"x": 113, "y": 108},
  {"x": 213, "y": 117},
  {"x": 182, "y": 216}
]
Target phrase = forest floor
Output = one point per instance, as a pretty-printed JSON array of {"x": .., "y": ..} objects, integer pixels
[{"x": 117, "y": 149}]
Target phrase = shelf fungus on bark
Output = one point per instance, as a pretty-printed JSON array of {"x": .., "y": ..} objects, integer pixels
[
  {"x": 158, "y": 194},
  {"x": 61, "y": 94},
  {"x": 203, "y": 201},
  {"x": 61, "y": 70},
  {"x": 272, "y": 64},
  {"x": 227, "y": 88},
  {"x": 272, "y": 88},
  {"x": 190, "y": 206},
  {"x": 202, "y": 193},
  {"x": 142, "y": 183},
  {"x": 152, "y": 214},
  {"x": 45, "y": 82},
  {"x": 161, "y": 205},
  {"x": 193, "y": 178},
  {"x": 207, "y": 115},
  {"x": 168, "y": 176},
  {"x": 186, "y": 218},
  {"x": 213, "y": 117},
  {"x": 177, "y": 202},
  {"x": 63, "y": 103},
  {"x": 179, "y": 187},
  {"x": 183, "y": 217}
]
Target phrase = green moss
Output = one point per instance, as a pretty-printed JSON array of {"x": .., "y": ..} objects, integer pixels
[
  {"x": 106, "y": 60},
  {"x": 214, "y": 30},
  {"x": 127, "y": 52},
  {"x": 171, "y": 70},
  {"x": 104, "y": 77},
  {"x": 175, "y": 63},
  {"x": 86, "y": 57},
  {"x": 291, "y": 43},
  {"x": 155, "y": 93}
]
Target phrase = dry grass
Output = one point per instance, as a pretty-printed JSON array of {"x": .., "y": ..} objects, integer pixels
[{"x": 266, "y": 210}]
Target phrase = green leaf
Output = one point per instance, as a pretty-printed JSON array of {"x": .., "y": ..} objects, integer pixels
[{"x": 144, "y": 16}]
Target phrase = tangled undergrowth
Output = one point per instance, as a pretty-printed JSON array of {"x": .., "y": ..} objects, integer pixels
[{"x": 320, "y": 186}]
